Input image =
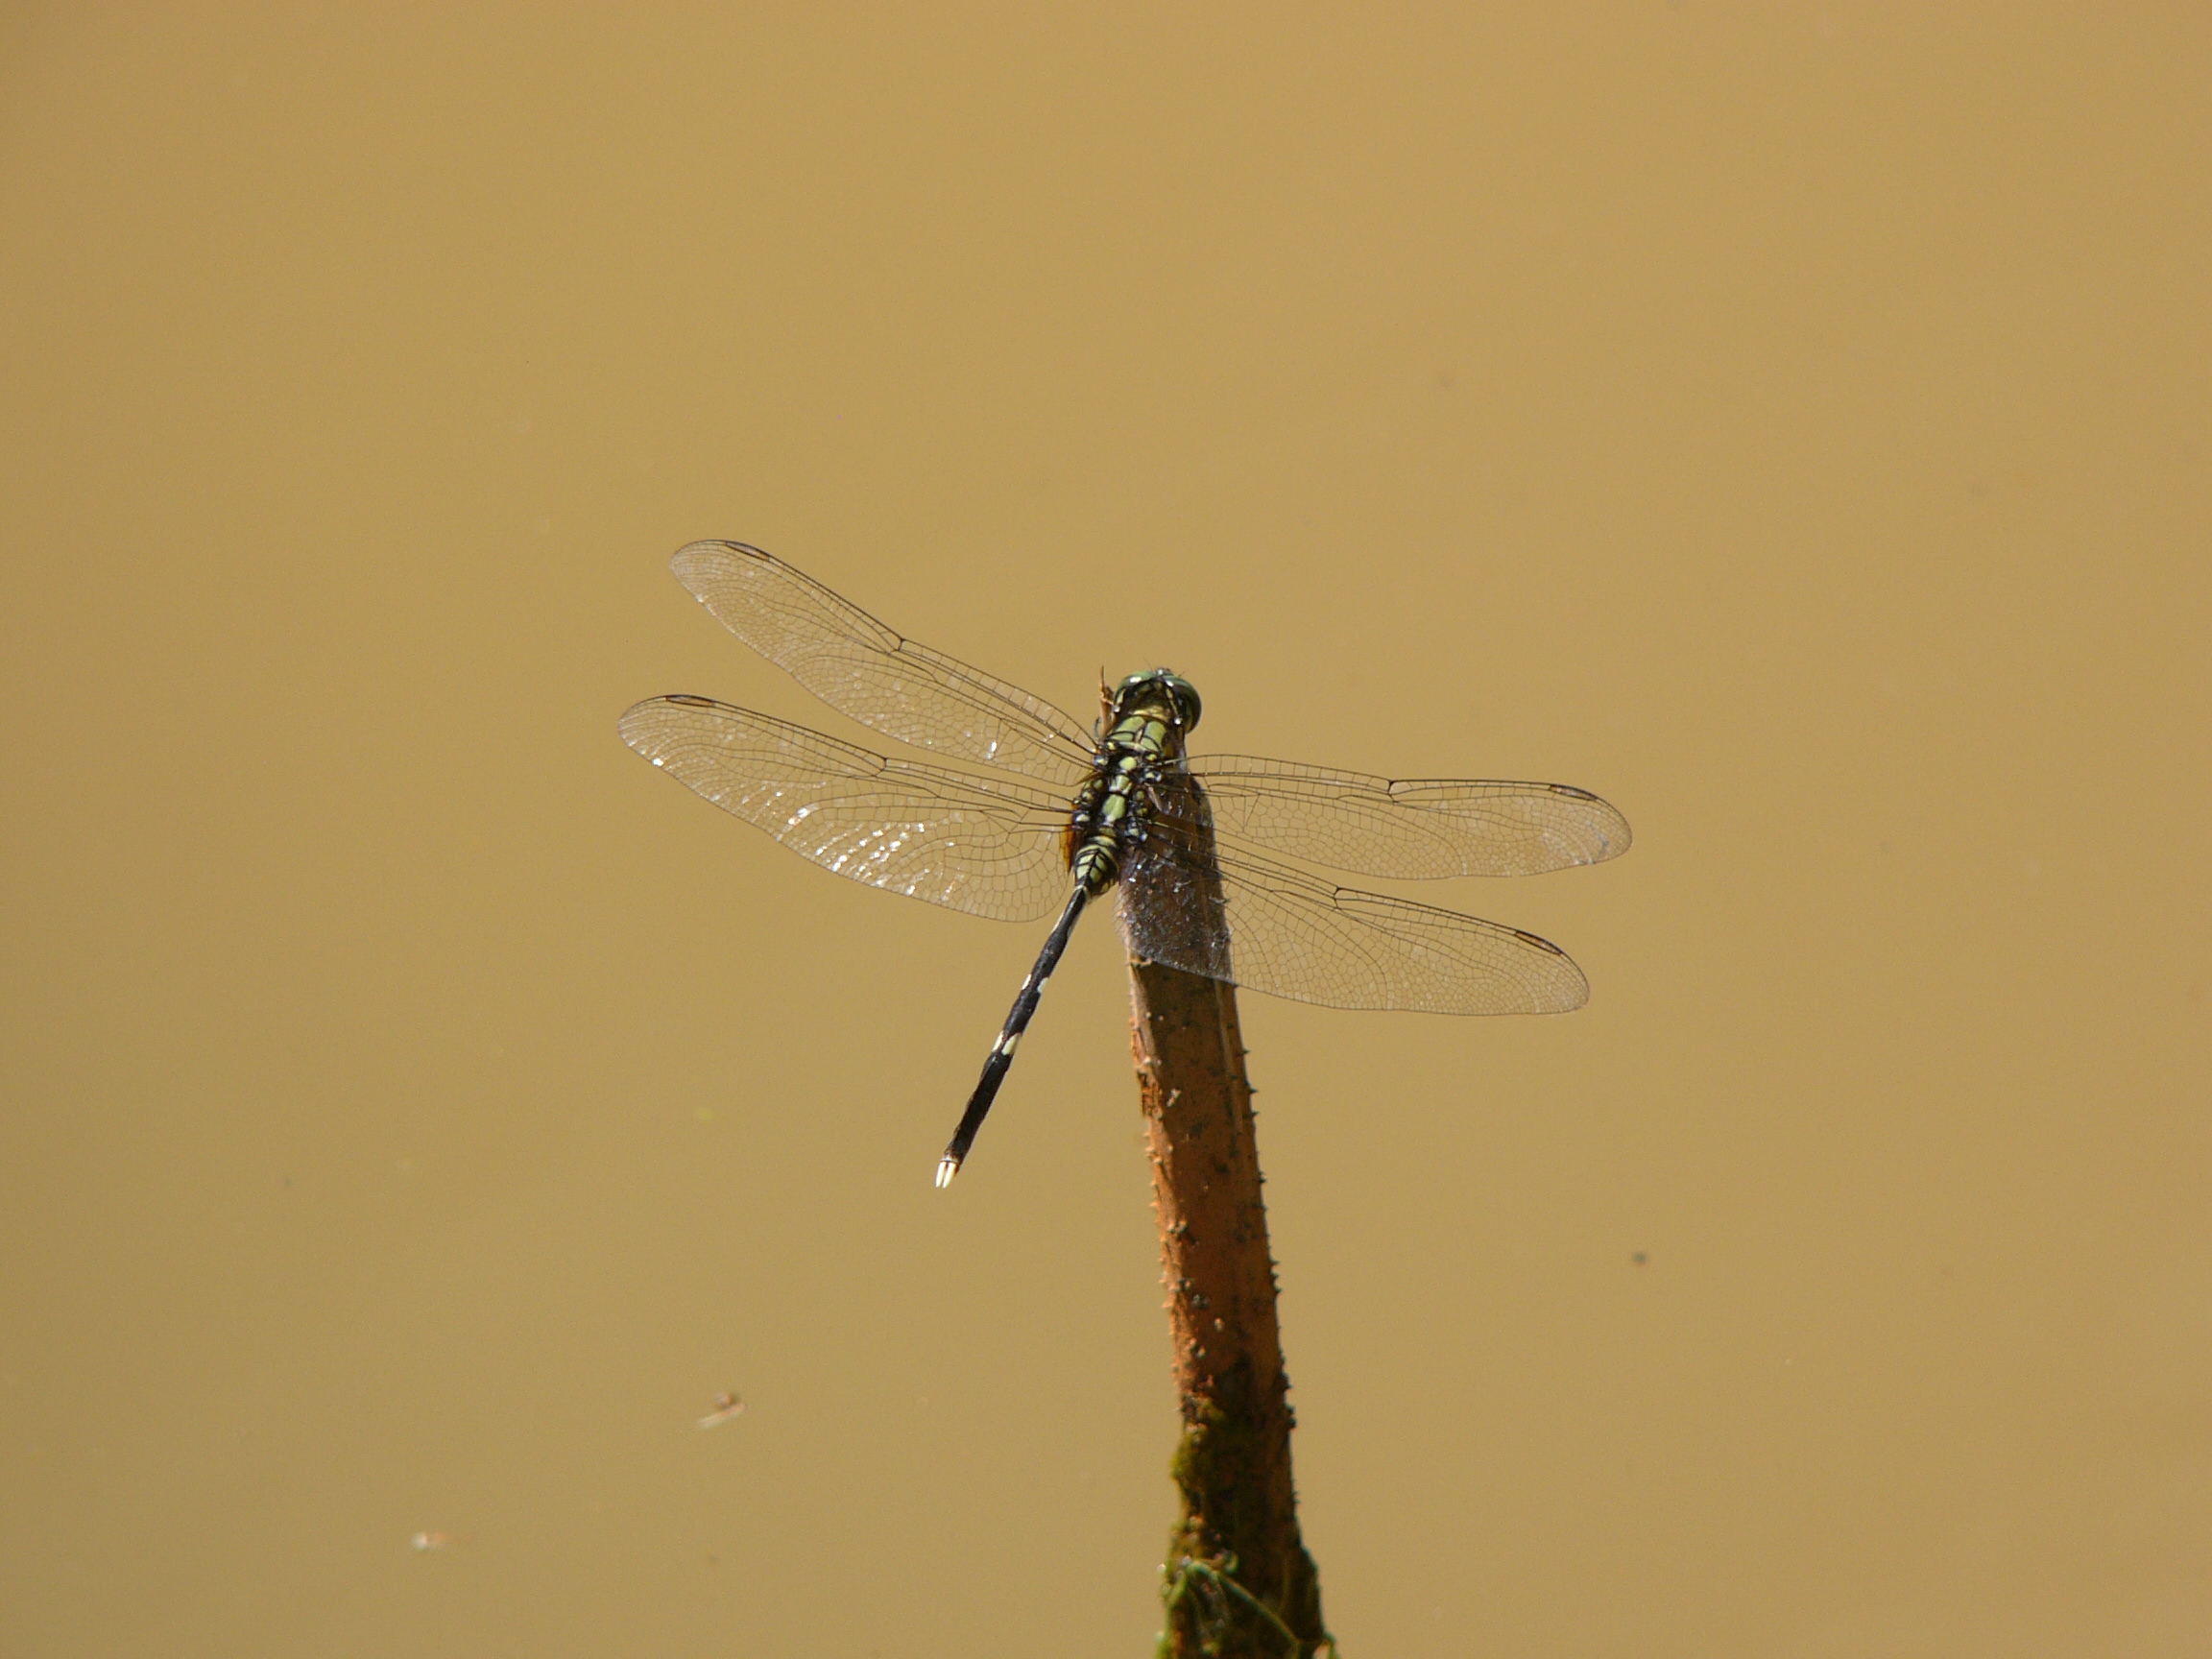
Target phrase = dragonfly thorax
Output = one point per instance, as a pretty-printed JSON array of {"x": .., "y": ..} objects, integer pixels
[{"x": 1150, "y": 716}]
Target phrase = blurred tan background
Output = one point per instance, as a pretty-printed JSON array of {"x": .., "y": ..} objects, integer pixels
[{"x": 1791, "y": 423}]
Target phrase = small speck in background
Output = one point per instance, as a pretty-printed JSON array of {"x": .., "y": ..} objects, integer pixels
[{"x": 725, "y": 1406}]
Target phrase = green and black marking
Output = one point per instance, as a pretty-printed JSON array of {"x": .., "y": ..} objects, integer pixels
[{"x": 1148, "y": 719}]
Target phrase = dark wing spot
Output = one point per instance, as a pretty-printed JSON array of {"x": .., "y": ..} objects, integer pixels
[
  {"x": 690, "y": 702},
  {"x": 1540, "y": 944}
]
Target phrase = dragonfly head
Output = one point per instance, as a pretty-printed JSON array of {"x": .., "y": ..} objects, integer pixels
[{"x": 1157, "y": 688}]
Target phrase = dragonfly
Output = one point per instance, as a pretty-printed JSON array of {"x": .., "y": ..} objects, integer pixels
[{"x": 1046, "y": 816}]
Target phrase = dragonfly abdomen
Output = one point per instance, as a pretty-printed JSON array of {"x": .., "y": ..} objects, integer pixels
[{"x": 1001, "y": 1056}]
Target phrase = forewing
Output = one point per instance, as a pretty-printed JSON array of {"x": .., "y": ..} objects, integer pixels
[
  {"x": 865, "y": 671},
  {"x": 987, "y": 847},
  {"x": 1262, "y": 926},
  {"x": 1414, "y": 828}
]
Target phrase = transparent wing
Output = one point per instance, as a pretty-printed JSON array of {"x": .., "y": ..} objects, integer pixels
[
  {"x": 1239, "y": 918},
  {"x": 863, "y": 670},
  {"x": 988, "y": 847},
  {"x": 1415, "y": 829}
]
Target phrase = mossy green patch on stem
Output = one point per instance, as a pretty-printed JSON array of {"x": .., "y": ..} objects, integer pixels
[{"x": 1213, "y": 1607}]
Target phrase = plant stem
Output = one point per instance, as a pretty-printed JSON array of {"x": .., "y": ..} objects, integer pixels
[{"x": 1239, "y": 1509}]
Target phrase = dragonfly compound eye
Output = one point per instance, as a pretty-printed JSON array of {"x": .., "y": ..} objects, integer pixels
[
  {"x": 1182, "y": 696},
  {"x": 1185, "y": 696}
]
